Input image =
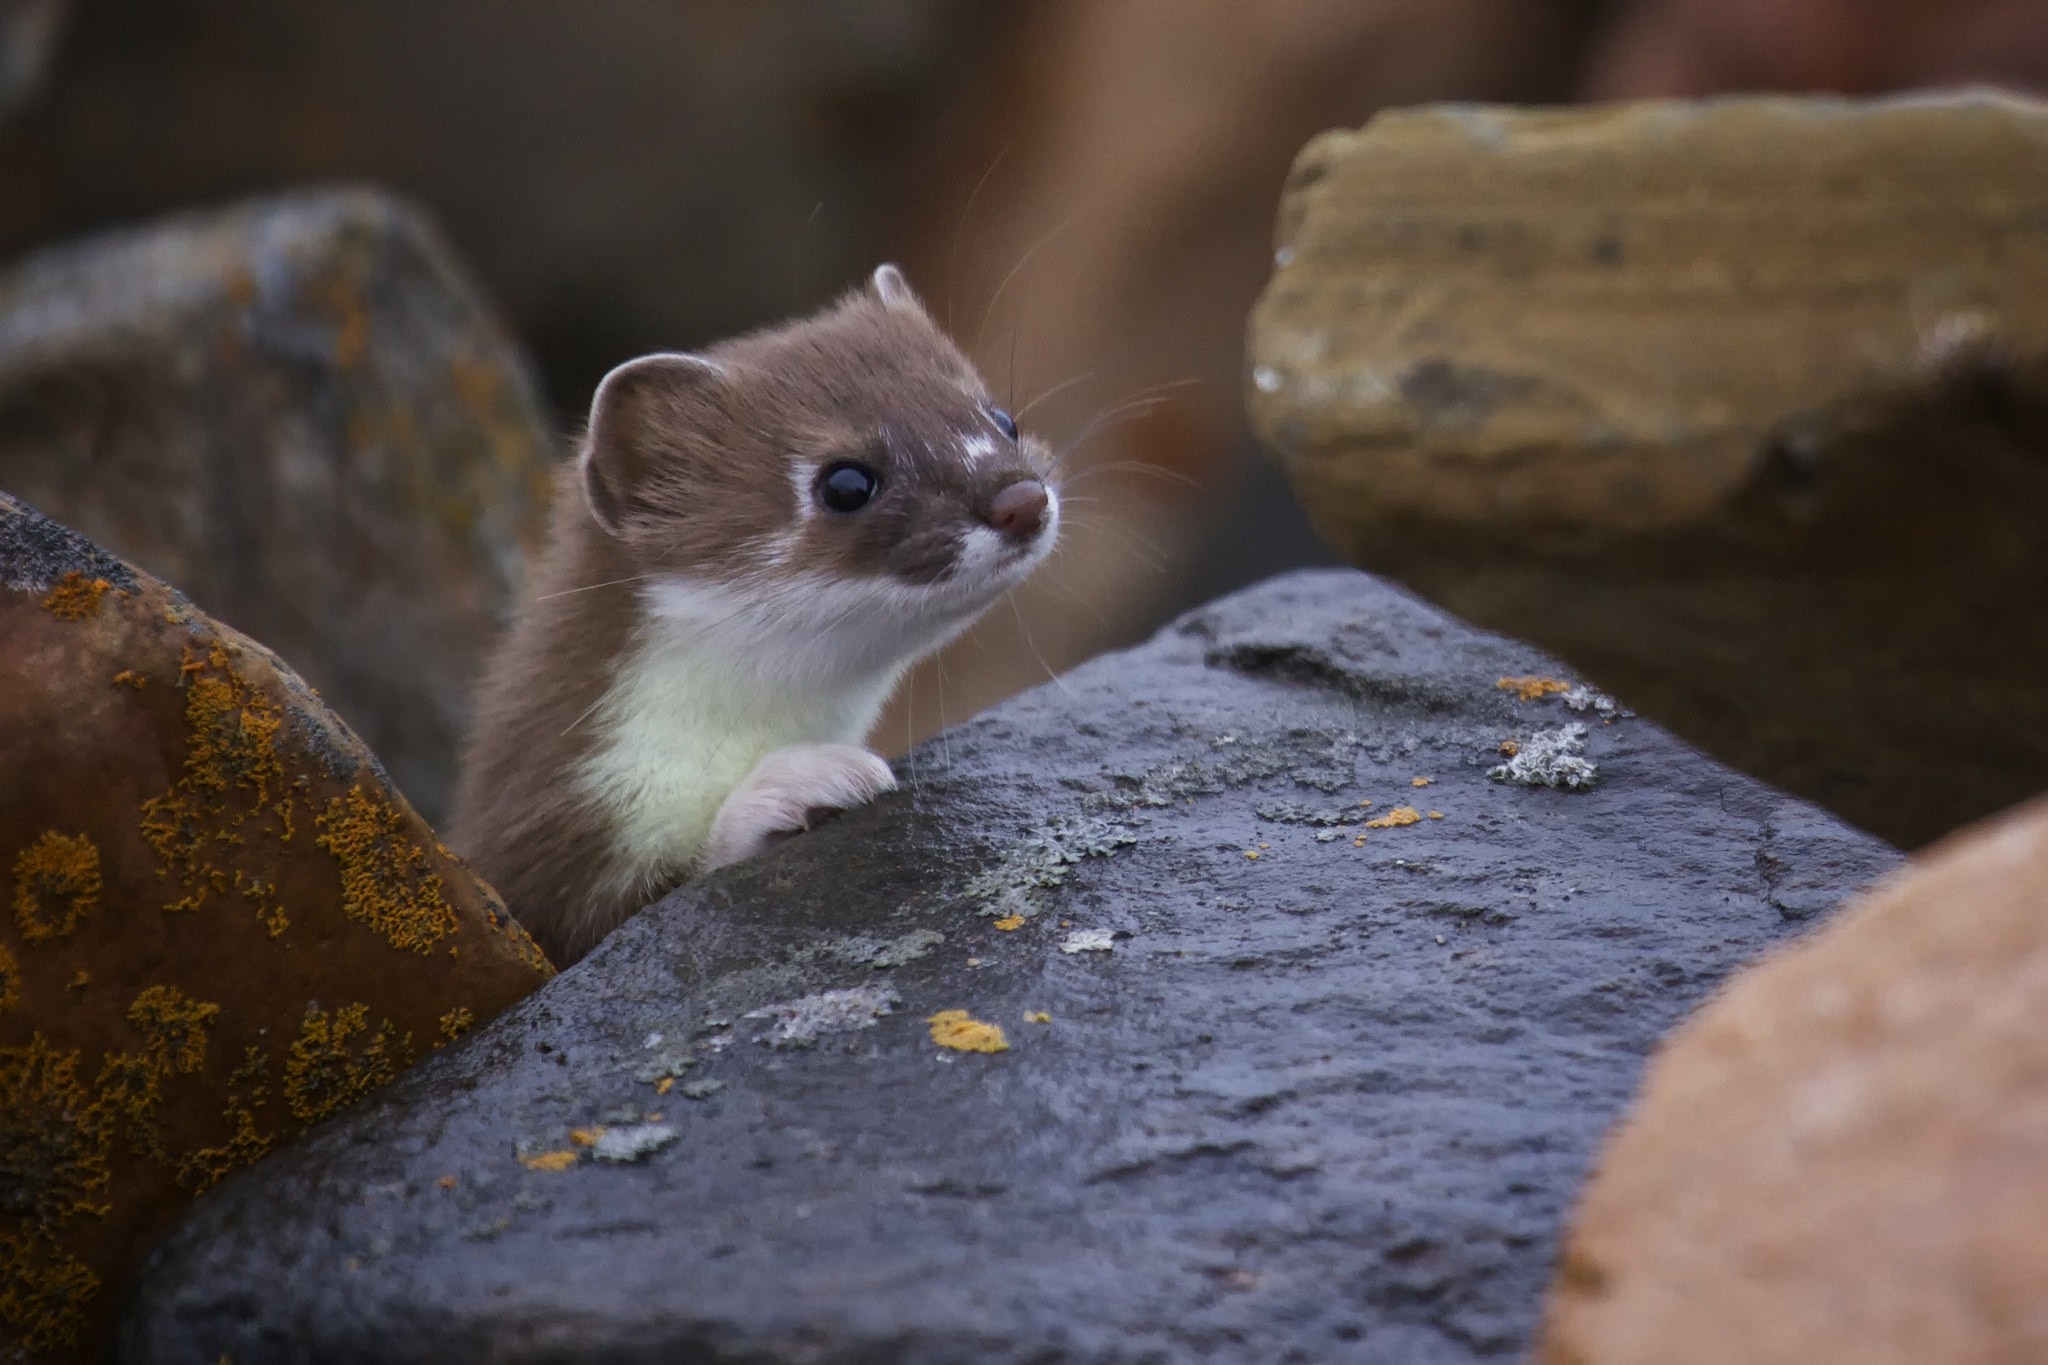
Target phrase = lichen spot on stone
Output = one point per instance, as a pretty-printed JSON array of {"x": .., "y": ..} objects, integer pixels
[
  {"x": 962, "y": 1032},
  {"x": 1533, "y": 689},
  {"x": 385, "y": 880},
  {"x": 456, "y": 1022},
  {"x": 54, "y": 1146},
  {"x": 76, "y": 597},
  {"x": 336, "y": 1061},
  {"x": 56, "y": 884},
  {"x": 174, "y": 1025},
  {"x": 1395, "y": 818},
  {"x": 10, "y": 980}
]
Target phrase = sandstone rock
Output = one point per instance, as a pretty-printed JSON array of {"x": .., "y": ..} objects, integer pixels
[
  {"x": 1125, "y": 1031},
  {"x": 1739, "y": 406},
  {"x": 219, "y": 923},
  {"x": 297, "y": 411},
  {"x": 1840, "y": 1158}
]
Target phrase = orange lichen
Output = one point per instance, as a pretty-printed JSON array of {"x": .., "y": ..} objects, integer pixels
[
  {"x": 76, "y": 597},
  {"x": 248, "y": 1091},
  {"x": 1509, "y": 748},
  {"x": 174, "y": 1026},
  {"x": 46, "y": 1293},
  {"x": 56, "y": 884},
  {"x": 385, "y": 881},
  {"x": 10, "y": 980},
  {"x": 962, "y": 1032},
  {"x": 53, "y": 1156},
  {"x": 1420, "y": 781},
  {"x": 1530, "y": 689},
  {"x": 332, "y": 1064},
  {"x": 233, "y": 780},
  {"x": 128, "y": 677},
  {"x": 1399, "y": 815},
  {"x": 1436, "y": 815},
  {"x": 586, "y": 1137},
  {"x": 550, "y": 1161},
  {"x": 456, "y": 1022},
  {"x": 1009, "y": 922},
  {"x": 664, "y": 1085}
]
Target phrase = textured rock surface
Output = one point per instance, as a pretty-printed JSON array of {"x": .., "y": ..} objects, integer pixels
[
  {"x": 298, "y": 412},
  {"x": 1841, "y": 1157},
  {"x": 1104, "y": 1039},
  {"x": 218, "y": 923},
  {"x": 1741, "y": 407}
]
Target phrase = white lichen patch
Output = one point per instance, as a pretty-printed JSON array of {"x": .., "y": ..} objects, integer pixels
[
  {"x": 1088, "y": 941},
  {"x": 633, "y": 1143},
  {"x": 801, "y": 1022},
  {"x": 1551, "y": 758},
  {"x": 1582, "y": 698}
]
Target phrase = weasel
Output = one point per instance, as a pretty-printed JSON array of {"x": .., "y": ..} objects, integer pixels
[{"x": 751, "y": 546}]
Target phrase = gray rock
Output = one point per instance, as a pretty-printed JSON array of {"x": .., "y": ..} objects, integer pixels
[
  {"x": 1320, "y": 1100},
  {"x": 298, "y": 412}
]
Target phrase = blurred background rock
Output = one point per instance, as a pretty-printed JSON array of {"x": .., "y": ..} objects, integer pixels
[{"x": 1084, "y": 188}]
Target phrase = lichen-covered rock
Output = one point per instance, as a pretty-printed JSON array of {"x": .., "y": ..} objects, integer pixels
[
  {"x": 1126, "y": 1031},
  {"x": 1736, "y": 405},
  {"x": 1841, "y": 1158},
  {"x": 219, "y": 923},
  {"x": 298, "y": 412}
]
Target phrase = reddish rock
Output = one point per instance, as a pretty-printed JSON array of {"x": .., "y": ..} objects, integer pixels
[
  {"x": 219, "y": 922},
  {"x": 1842, "y": 1158}
]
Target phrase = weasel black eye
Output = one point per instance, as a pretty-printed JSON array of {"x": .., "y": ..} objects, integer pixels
[
  {"x": 847, "y": 487},
  {"x": 1005, "y": 423}
]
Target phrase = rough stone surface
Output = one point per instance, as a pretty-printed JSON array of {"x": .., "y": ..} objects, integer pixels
[
  {"x": 1298, "y": 1098},
  {"x": 298, "y": 412},
  {"x": 219, "y": 923},
  {"x": 1740, "y": 406},
  {"x": 1841, "y": 1157}
]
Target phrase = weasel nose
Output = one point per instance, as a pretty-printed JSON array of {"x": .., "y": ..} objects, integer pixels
[{"x": 1018, "y": 510}]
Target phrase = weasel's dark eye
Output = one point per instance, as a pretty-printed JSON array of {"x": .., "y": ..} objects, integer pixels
[
  {"x": 847, "y": 487},
  {"x": 1005, "y": 423}
]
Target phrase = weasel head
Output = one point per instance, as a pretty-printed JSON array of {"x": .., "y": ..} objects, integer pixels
[{"x": 841, "y": 490}]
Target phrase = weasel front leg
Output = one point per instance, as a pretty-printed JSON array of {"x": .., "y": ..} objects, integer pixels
[{"x": 786, "y": 791}]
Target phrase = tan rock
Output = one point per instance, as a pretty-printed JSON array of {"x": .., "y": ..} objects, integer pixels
[
  {"x": 1843, "y": 1157},
  {"x": 1735, "y": 405},
  {"x": 299, "y": 412},
  {"x": 219, "y": 922}
]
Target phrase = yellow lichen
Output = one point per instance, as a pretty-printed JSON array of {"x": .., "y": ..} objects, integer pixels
[
  {"x": 1399, "y": 815},
  {"x": 174, "y": 1026},
  {"x": 1509, "y": 748},
  {"x": 248, "y": 1091},
  {"x": 56, "y": 884},
  {"x": 1420, "y": 781},
  {"x": 46, "y": 1293},
  {"x": 385, "y": 880},
  {"x": 456, "y": 1022},
  {"x": 233, "y": 778},
  {"x": 1530, "y": 689},
  {"x": 586, "y": 1137},
  {"x": 76, "y": 597},
  {"x": 1009, "y": 922},
  {"x": 332, "y": 1064},
  {"x": 962, "y": 1032},
  {"x": 1436, "y": 815},
  {"x": 664, "y": 1085},
  {"x": 128, "y": 677},
  {"x": 550, "y": 1161}
]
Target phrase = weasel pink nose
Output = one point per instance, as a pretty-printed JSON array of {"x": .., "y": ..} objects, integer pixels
[{"x": 1019, "y": 510}]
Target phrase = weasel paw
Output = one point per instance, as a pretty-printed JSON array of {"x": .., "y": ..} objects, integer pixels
[{"x": 786, "y": 791}]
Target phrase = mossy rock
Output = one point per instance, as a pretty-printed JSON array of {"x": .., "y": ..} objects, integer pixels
[{"x": 219, "y": 922}]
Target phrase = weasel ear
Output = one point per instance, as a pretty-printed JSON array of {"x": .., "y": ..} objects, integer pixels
[
  {"x": 639, "y": 408},
  {"x": 888, "y": 285}
]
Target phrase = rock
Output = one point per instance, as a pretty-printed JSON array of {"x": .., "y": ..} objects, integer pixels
[
  {"x": 1756, "y": 441},
  {"x": 1307, "y": 1089},
  {"x": 1840, "y": 1157},
  {"x": 219, "y": 923},
  {"x": 298, "y": 411}
]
